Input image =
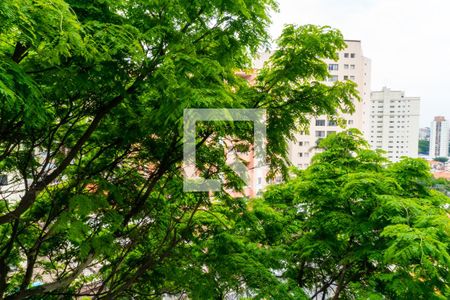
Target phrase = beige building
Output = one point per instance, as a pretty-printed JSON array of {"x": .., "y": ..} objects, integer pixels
[
  {"x": 439, "y": 138},
  {"x": 352, "y": 65},
  {"x": 394, "y": 123}
]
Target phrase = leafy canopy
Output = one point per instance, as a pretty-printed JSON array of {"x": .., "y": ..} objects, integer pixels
[
  {"x": 356, "y": 226},
  {"x": 92, "y": 95}
]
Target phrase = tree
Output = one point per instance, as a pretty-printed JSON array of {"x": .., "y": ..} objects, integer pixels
[
  {"x": 356, "y": 226},
  {"x": 441, "y": 159},
  {"x": 91, "y": 102},
  {"x": 424, "y": 147},
  {"x": 442, "y": 185}
]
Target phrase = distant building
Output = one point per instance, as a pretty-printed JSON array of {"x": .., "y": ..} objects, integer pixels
[
  {"x": 444, "y": 175},
  {"x": 351, "y": 65},
  {"x": 439, "y": 137},
  {"x": 12, "y": 187},
  {"x": 394, "y": 123},
  {"x": 424, "y": 134}
]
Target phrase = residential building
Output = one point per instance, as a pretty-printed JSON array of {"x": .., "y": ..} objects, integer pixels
[
  {"x": 12, "y": 187},
  {"x": 394, "y": 123},
  {"x": 256, "y": 171},
  {"x": 351, "y": 65},
  {"x": 439, "y": 137}
]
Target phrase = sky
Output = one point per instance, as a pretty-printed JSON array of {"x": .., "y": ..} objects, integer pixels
[{"x": 408, "y": 42}]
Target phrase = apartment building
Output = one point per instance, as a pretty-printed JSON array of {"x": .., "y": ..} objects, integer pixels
[
  {"x": 12, "y": 187},
  {"x": 439, "y": 137},
  {"x": 394, "y": 123},
  {"x": 351, "y": 65}
]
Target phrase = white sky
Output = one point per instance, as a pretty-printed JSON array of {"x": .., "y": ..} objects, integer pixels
[{"x": 408, "y": 42}]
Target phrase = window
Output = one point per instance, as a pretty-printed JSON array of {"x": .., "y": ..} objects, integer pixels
[
  {"x": 345, "y": 77},
  {"x": 259, "y": 180},
  {"x": 352, "y": 55},
  {"x": 333, "y": 67},
  {"x": 300, "y": 154},
  {"x": 346, "y": 67},
  {"x": 332, "y": 123},
  {"x": 333, "y": 78},
  {"x": 346, "y": 55},
  {"x": 352, "y": 77},
  {"x": 350, "y": 122},
  {"x": 320, "y": 133},
  {"x": 300, "y": 143},
  {"x": 320, "y": 122},
  {"x": 352, "y": 67}
]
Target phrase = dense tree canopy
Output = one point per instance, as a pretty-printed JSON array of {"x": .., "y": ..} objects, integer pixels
[
  {"x": 353, "y": 226},
  {"x": 424, "y": 147},
  {"x": 92, "y": 95},
  {"x": 441, "y": 159}
]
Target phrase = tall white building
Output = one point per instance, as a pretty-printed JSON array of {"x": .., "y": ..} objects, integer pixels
[
  {"x": 394, "y": 123},
  {"x": 439, "y": 138},
  {"x": 352, "y": 65}
]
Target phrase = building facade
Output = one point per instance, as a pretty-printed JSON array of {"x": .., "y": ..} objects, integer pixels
[
  {"x": 352, "y": 65},
  {"x": 439, "y": 137},
  {"x": 394, "y": 123}
]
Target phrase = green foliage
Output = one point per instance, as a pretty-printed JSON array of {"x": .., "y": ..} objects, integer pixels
[
  {"x": 441, "y": 159},
  {"x": 92, "y": 95},
  {"x": 292, "y": 87},
  {"x": 363, "y": 227},
  {"x": 424, "y": 147}
]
